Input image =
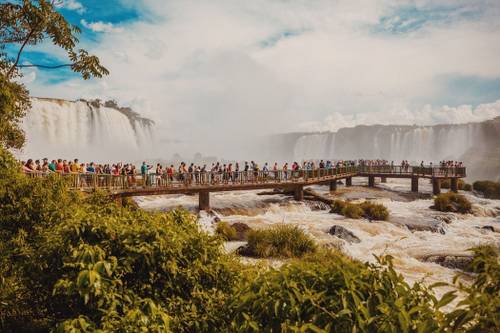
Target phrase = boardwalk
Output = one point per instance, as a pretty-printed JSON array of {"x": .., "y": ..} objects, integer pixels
[{"x": 205, "y": 182}]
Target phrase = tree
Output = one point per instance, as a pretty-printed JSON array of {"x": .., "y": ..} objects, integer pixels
[{"x": 25, "y": 23}]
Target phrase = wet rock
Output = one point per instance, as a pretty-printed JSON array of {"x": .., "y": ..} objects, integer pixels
[
  {"x": 343, "y": 233},
  {"x": 243, "y": 251},
  {"x": 420, "y": 224},
  {"x": 316, "y": 205},
  {"x": 241, "y": 230},
  {"x": 450, "y": 260},
  {"x": 488, "y": 228},
  {"x": 447, "y": 218}
]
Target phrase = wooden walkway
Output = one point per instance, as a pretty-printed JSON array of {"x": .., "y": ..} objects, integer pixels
[{"x": 206, "y": 182}]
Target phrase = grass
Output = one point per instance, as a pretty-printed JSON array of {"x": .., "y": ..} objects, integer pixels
[
  {"x": 489, "y": 189},
  {"x": 367, "y": 209},
  {"x": 282, "y": 241},
  {"x": 226, "y": 231},
  {"x": 452, "y": 202}
]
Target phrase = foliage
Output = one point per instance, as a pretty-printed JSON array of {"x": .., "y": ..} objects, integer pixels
[
  {"x": 373, "y": 211},
  {"x": 461, "y": 185},
  {"x": 452, "y": 202},
  {"x": 467, "y": 187},
  {"x": 27, "y": 23},
  {"x": 352, "y": 211},
  {"x": 14, "y": 101},
  {"x": 488, "y": 188},
  {"x": 480, "y": 310},
  {"x": 226, "y": 231},
  {"x": 282, "y": 240},
  {"x": 70, "y": 263},
  {"x": 75, "y": 263},
  {"x": 368, "y": 210},
  {"x": 242, "y": 230},
  {"x": 331, "y": 293},
  {"x": 337, "y": 206}
]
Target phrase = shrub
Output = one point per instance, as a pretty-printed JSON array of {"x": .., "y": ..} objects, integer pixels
[
  {"x": 452, "y": 202},
  {"x": 368, "y": 210},
  {"x": 279, "y": 241},
  {"x": 226, "y": 231},
  {"x": 480, "y": 309},
  {"x": 467, "y": 187},
  {"x": 352, "y": 211},
  {"x": 331, "y": 293},
  {"x": 446, "y": 184},
  {"x": 337, "y": 206},
  {"x": 373, "y": 211},
  {"x": 241, "y": 230},
  {"x": 74, "y": 264},
  {"x": 488, "y": 188}
]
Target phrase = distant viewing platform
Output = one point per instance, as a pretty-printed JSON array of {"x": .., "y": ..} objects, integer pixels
[{"x": 122, "y": 181}]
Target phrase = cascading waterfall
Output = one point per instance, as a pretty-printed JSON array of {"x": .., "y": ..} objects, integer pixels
[
  {"x": 84, "y": 130},
  {"x": 415, "y": 143}
]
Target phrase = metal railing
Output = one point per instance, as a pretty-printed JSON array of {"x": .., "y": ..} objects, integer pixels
[{"x": 236, "y": 178}]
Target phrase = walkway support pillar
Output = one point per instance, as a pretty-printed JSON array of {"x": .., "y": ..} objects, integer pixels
[
  {"x": 383, "y": 179},
  {"x": 298, "y": 193},
  {"x": 204, "y": 200},
  {"x": 348, "y": 181},
  {"x": 333, "y": 186},
  {"x": 454, "y": 184},
  {"x": 414, "y": 184},
  {"x": 371, "y": 181},
  {"x": 436, "y": 186}
]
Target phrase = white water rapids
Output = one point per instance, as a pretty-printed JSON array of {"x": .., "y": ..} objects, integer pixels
[{"x": 394, "y": 237}]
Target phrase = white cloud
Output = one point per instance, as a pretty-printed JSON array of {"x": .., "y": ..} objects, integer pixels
[
  {"x": 199, "y": 68},
  {"x": 426, "y": 115},
  {"x": 71, "y": 5},
  {"x": 100, "y": 26}
]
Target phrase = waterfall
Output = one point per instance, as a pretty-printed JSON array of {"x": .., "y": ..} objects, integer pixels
[
  {"x": 413, "y": 143},
  {"x": 88, "y": 131}
]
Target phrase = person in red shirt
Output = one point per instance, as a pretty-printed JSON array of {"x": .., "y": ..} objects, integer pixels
[{"x": 59, "y": 166}]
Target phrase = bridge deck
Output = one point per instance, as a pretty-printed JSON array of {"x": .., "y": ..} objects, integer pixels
[{"x": 131, "y": 185}]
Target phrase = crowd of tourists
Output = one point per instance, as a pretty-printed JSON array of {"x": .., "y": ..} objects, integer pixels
[{"x": 217, "y": 171}]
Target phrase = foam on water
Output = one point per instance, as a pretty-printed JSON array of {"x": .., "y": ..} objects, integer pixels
[{"x": 406, "y": 246}]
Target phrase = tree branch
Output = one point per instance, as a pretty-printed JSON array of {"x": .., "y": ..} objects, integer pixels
[
  {"x": 45, "y": 66},
  {"x": 11, "y": 70}
]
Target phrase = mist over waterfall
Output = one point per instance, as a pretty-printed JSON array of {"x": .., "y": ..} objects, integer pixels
[
  {"x": 477, "y": 144},
  {"x": 88, "y": 130},
  {"x": 430, "y": 143}
]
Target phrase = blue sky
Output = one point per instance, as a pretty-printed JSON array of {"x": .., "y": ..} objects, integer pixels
[{"x": 293, "y": 62}]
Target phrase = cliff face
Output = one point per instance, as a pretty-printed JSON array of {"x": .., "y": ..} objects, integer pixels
[{"x": 474, "y": 143}]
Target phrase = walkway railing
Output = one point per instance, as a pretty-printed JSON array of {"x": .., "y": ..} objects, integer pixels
[{"x": 208, "y": 179}]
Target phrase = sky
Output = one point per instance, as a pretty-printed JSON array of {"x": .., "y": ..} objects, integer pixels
[{"x": 219, "y": 72}]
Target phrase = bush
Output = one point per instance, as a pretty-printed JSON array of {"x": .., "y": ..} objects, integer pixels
[
  {"x": 226, "y": 231},
  {"x": 353, "y": 211},
  {"x": 331, "y": 293},
  {"x": 368, "y": 210},
  {"x": 241, "y": 230},
  {"x": 467, "y": 187},
  {"x": 282, "y": 240},
  {"x": 480, "y": 309},
  {"x": 452, "y": 202},
  {"x": 337, "y": 206},
  {"x": 446, "y": 184},
  {"x": 373, "y": 211},
  {"x": 488, "y": 188},
  {"x": 70, "y": 263}
]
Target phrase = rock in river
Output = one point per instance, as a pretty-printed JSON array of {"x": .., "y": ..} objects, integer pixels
[{"x": 343, "y": 233}]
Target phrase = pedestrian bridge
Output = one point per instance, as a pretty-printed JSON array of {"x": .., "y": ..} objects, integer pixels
[{"x": 203, "y": 183}]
